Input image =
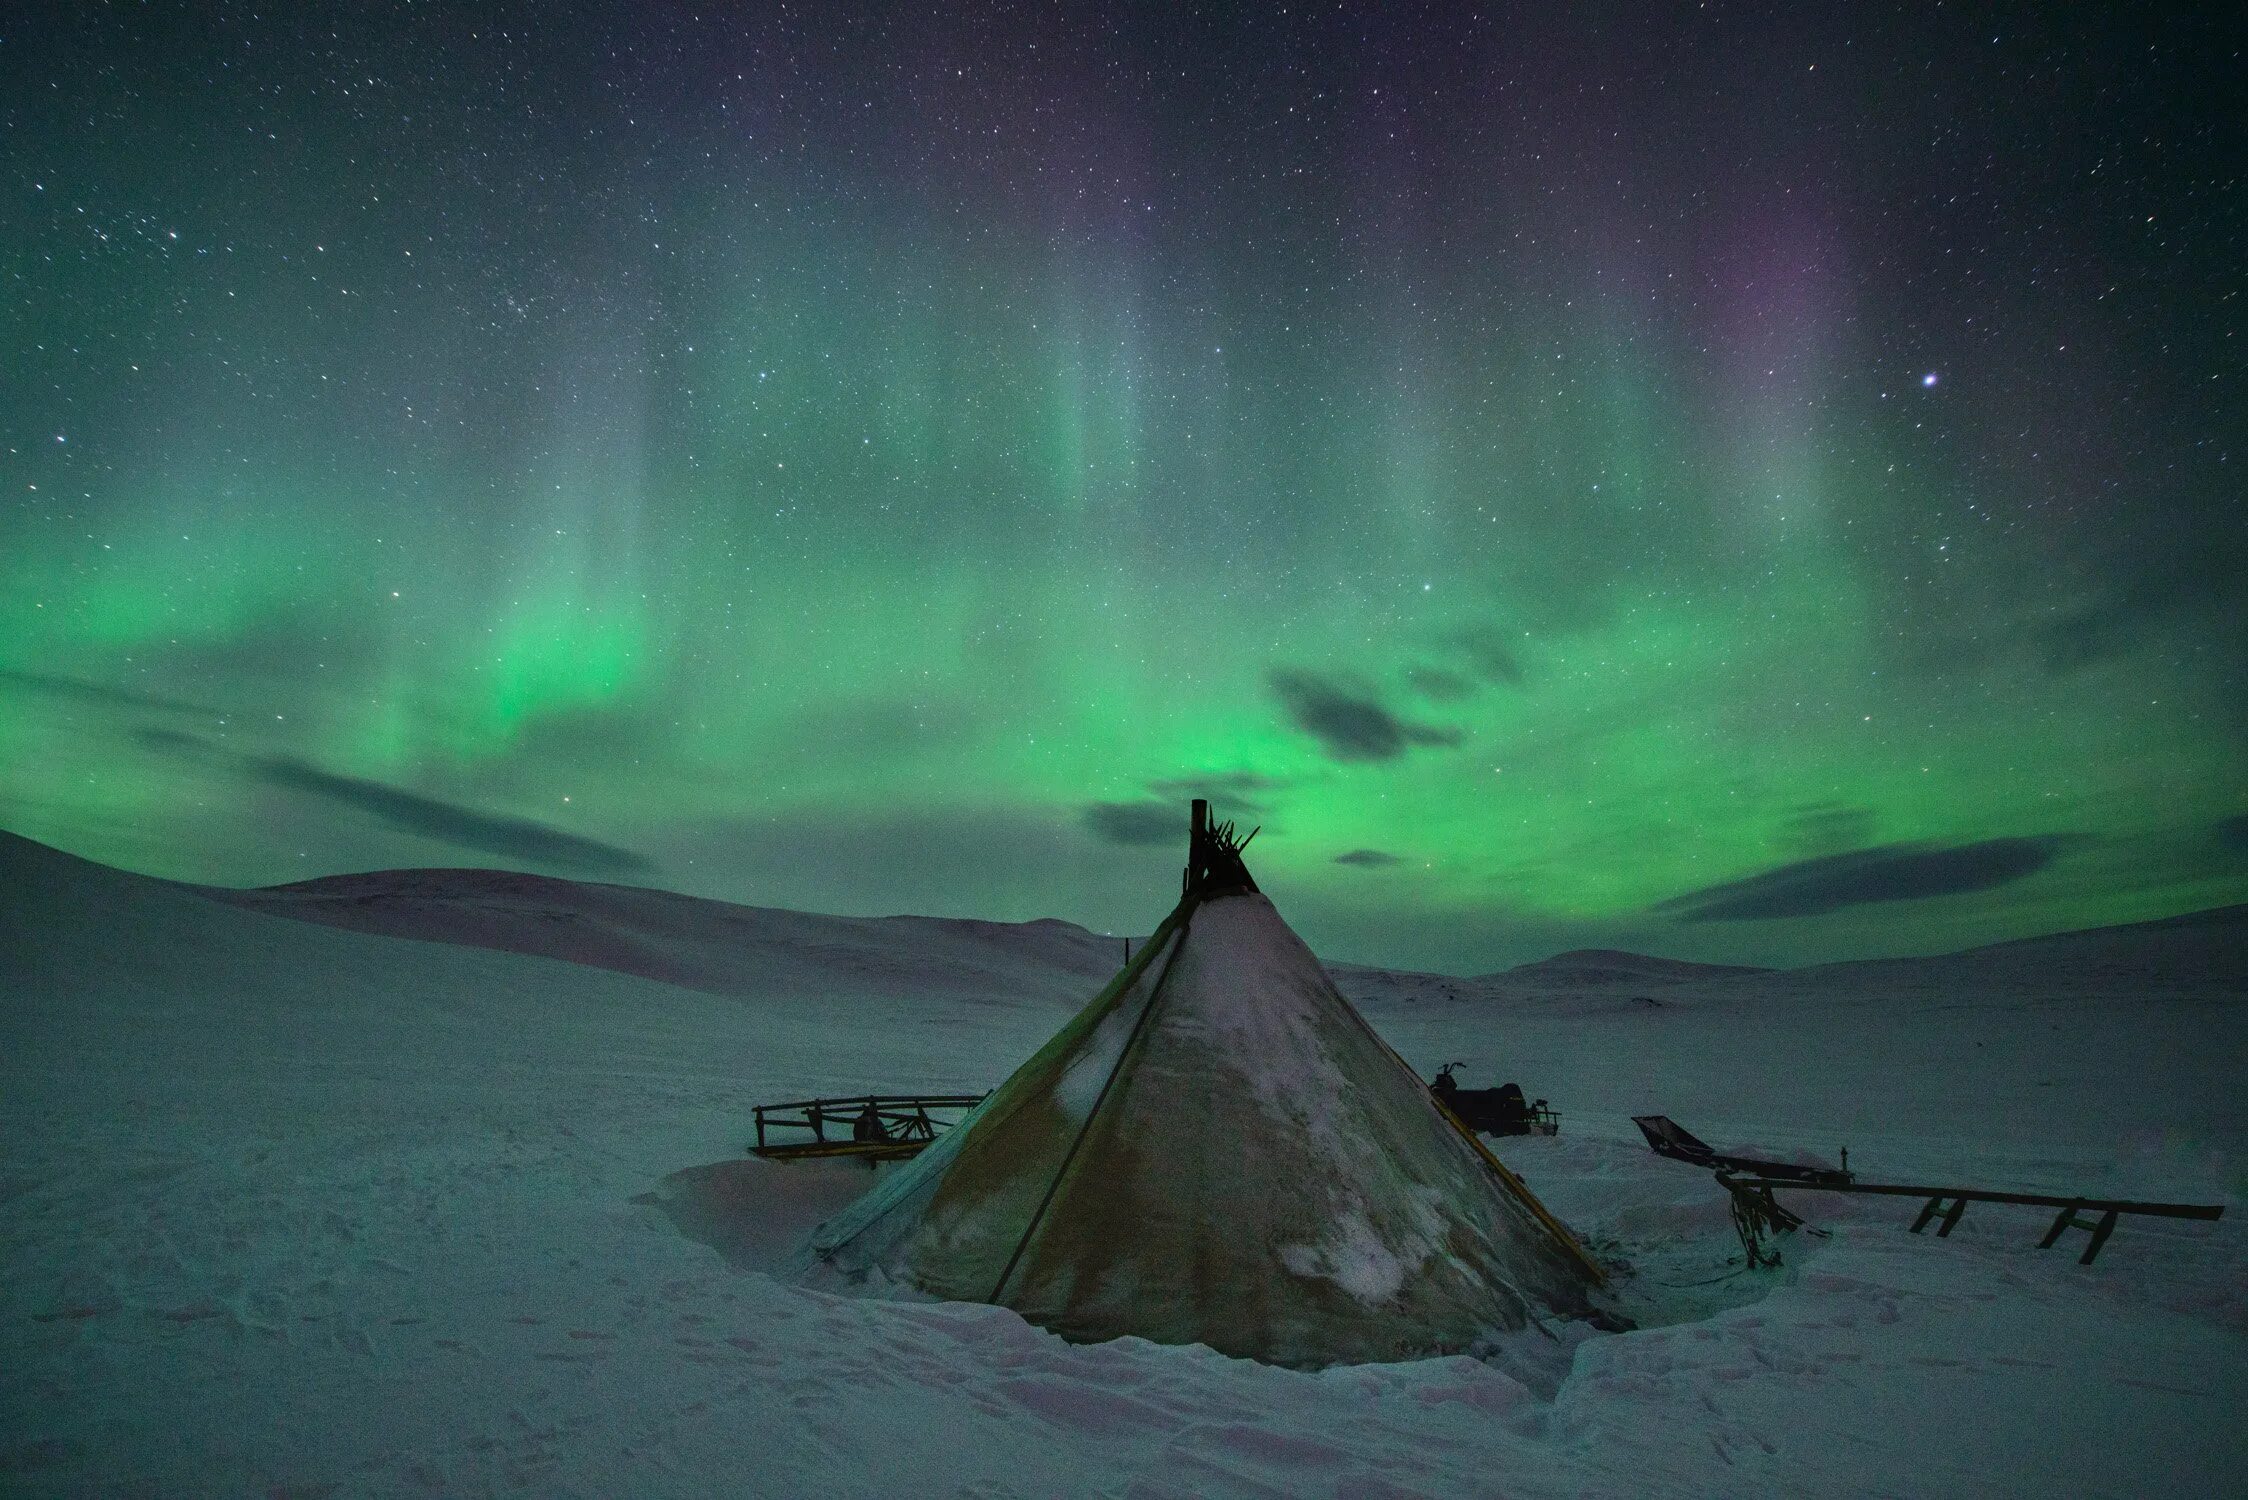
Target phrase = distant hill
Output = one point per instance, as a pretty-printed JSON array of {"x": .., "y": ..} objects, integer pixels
[
  {"x": 2226, "y": 924},
  {"x": 713, "y": 946},
  {"x": 725, "y": 949},
  {"x": 2203, "y": 950},
  {"x": 94, "y": 957},
  {"x": 1587, "y": 967}
]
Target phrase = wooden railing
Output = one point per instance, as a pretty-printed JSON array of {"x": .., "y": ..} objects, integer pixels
[{"x": 884, "y": 1126}]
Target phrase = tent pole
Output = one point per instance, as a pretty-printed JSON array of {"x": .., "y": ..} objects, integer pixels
[{"x": 1197, "y": 847}]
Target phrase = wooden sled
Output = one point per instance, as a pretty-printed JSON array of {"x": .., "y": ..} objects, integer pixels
[
  {"x": 1755, "y": 1213},
  {"x": 869, "y": 1127},
  {"x": 1666, "y": 1137}
]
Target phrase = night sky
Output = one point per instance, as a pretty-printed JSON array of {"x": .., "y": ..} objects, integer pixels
[{"x": 1742, "y": 484}]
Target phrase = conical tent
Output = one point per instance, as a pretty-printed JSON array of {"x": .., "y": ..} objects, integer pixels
[{"x": 1219, "y": 1150}]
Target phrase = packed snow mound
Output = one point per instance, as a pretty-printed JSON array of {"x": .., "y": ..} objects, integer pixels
[{"x": 714, "y": 946}]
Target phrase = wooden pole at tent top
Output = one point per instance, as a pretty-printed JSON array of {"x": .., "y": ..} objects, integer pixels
[{"x": 1198, "y": 843}]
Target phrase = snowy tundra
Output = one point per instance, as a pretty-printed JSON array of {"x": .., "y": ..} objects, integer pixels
[{"x": 433, "y": 1184}]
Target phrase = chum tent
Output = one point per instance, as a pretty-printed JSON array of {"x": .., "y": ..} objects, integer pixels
[{"x": 1220, "y": 1150}]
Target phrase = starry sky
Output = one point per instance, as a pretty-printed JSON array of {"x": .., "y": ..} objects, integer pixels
[{"x": 1748, "y": 484}]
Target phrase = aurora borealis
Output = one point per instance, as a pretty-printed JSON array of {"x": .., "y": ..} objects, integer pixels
[{"x": 1734, "y": 483}]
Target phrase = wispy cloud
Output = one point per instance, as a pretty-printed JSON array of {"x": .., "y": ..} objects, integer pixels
[{"x": 55, "y": 685}]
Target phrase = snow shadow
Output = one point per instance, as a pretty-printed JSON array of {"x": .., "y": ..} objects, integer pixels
[{"x": 756, "y": 1213}]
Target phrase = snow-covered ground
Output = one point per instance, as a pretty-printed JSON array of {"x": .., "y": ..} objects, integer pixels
[{"x": 297, "y": 1210}]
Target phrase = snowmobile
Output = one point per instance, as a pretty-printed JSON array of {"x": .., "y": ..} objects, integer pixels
[{"x": 1499, "y": 1111}]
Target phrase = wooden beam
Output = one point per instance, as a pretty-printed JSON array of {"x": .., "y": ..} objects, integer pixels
[
  {"x": 1940, "y": 1195},
  {"x": 1748, "y": 1191},
  {"x": 2100, "y": 1233}
]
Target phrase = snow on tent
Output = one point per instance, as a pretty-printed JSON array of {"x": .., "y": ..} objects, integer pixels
[{"x": 1219, "y": 1150}]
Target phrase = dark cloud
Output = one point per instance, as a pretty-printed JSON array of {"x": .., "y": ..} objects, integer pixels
[
  {"x": 1827, "y": 828},
  {"x": 1439, "y": 686},
  {"x": 1894, "y": 872},
  {"x": 2156, "y": 588},
  {"x": 1475, "y": 657},
  {"x": 94, "y": 692},
  {"x": 2084, "y": 636},
  {"x": 1349, "y": 726},
  {"x": 1140, "y": 823},
  {"x": 1490, "y": 655},
  {"x": 2232, "y": 832},
  {"x": 172, "y": 742},
  {"x": 431, "y": 817},
  {"x": 511, "y": 838},
  {"x": 1370, "y": 858},
  {"x": 299, "y": 642}
]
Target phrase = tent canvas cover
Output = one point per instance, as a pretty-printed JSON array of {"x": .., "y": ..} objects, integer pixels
[{"x": 1219, "y": 1150}]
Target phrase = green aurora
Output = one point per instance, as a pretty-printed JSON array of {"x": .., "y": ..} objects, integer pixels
[{"x": 719, "y": 480}]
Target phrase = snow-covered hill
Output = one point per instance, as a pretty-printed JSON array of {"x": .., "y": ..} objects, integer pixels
[
  {"x": 2202, "y": 952},
  {"x": 713, "y": 946},
  {"x": 297, "y": 1209},
  {"x": 1583, "y": 967}
]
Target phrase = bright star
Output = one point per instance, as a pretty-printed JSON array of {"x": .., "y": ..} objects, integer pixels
[{"x": 1929, "y": 378}]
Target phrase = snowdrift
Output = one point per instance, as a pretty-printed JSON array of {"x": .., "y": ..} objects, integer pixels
[{"x": 298, "y": 1209}]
